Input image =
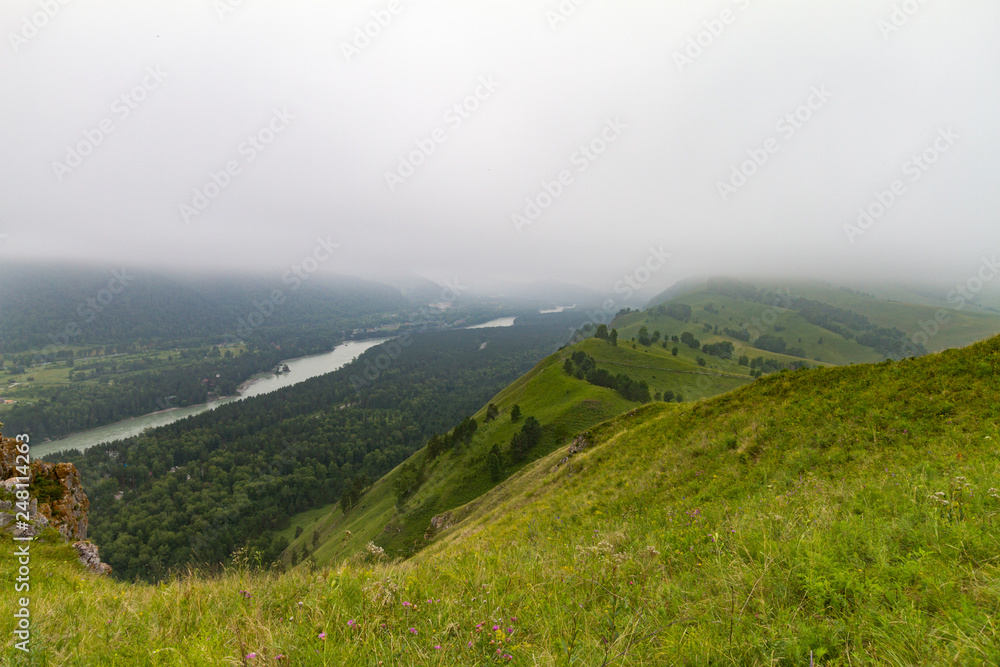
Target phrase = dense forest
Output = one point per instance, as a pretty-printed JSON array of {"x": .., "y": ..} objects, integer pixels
[{"x": 198, "y": 489}]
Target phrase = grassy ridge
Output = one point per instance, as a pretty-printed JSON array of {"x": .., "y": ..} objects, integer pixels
[
  {"x": 564, "y": 405},
  {"x": 847, "y": 513}
]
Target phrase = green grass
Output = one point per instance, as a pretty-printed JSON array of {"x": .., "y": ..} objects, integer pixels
[
  {"x": 848, "y": 513},
  {"x": 307, "y": 520}
]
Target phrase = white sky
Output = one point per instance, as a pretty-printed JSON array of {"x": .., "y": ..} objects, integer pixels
[{"x": 679, "y": 127}]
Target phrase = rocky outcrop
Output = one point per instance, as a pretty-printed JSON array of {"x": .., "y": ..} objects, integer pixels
[
  {"x": 579, "y": 444},
  {"x": 57, "y": 499},
  {"x": 438, "y": 523},
  {"x": 89, "y": 557}
]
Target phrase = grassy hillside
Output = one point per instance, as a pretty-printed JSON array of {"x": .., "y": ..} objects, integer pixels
[
  {"x": 963, "y": 326},
  {"x": 719, "y": 303},
  {"x": 735, "y": 314},
  {"x": 566, "y": 406},
  {"x": 848, "y": 513},
  {"x": 563, "y": 404}
]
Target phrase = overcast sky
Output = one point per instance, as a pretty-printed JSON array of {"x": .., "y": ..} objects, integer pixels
[{"x": 739, "y": 136}]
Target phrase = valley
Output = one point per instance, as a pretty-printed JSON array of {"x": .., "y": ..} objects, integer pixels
[{"x": 673, "y": 449}]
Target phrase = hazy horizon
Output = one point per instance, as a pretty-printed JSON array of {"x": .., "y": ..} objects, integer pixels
[{"x": 505, "y": 141}]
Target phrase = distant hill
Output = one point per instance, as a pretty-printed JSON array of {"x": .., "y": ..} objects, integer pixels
[
  {"x": 854, "y": 326},
  {"x": 82, "y": 305}
]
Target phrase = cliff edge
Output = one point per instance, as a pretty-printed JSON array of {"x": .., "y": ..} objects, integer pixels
[{"x": 55, "y": 498}]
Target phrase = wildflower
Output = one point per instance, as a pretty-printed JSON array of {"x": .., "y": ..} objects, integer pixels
[
  {"x": 438, "y": 647},
  {"x": 351, "y": 623},
  {"x": 413, "y": 630},
  {"x": 251, "y": 656},
  {"x": 322, "y": 636},
  {"x": 470, "y": 644},
  {"x": 281, "y": 656}
]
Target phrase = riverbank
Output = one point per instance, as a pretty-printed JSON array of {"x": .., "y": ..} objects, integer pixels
[{"x": 301, "y": 369}]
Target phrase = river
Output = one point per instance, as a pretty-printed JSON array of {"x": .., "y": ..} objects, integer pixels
[
  {"x": 499, "y": 322},
  {"x": 300, "y": 369}
]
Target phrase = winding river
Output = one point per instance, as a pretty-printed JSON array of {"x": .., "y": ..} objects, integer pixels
[{"x": 300, "y": 369}]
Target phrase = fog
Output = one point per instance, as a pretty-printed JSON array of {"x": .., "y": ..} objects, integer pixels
[{"x": 498, "y": 140}]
